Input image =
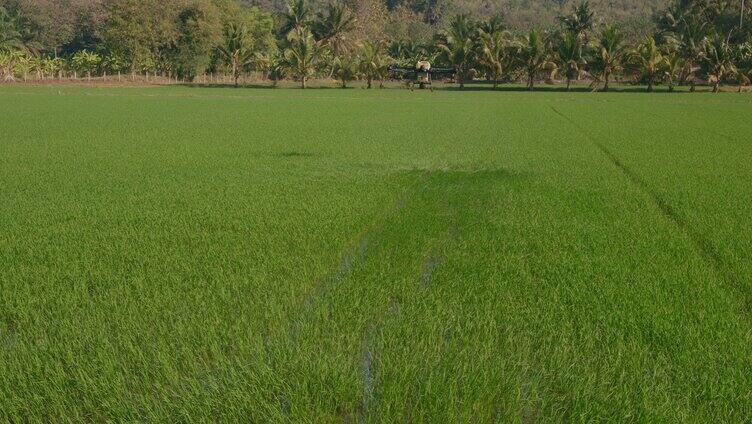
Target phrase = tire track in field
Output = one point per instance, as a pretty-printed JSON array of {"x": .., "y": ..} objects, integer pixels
[
  {"x": 368, "y": 354},
  {"x": 368, "y": 372},
  {"x": 435, "y": 257},
  {"x": 429, "y": 266},
  {"x": 358, "y": 250},
  {"x": 354, "y": 255},
  {"x": 432, "y": 261},
  {"x": 703, "y": 246},
  {"x": 365, "y": 246}
]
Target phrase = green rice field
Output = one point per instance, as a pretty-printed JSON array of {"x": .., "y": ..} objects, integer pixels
[{"x": 185, "y": 254}]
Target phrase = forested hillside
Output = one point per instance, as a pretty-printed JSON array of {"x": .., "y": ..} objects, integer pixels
[
  {"x": 70, "y": 25},
  {"x": 684, "y": 42},
  {"x": 519, "y": 14}
]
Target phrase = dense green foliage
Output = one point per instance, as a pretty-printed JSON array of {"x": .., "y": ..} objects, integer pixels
[
  {"x": 383, "y": 256},
  {"x": 687, "y": 41}
]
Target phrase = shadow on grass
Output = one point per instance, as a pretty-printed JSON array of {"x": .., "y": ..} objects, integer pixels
[
  {"x": 264, "y": 86},
  {"x": 479, "y": 86},
  {"x": 471, "y": 175},
  {"x": 563, "y": 89}
]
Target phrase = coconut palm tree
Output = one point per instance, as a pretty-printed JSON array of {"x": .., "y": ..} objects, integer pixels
[
  {"x": 647, "y": 61},
  {"x": 302, "y": 55},
  {"x": 456, "y": 46},
  {"x": 332, "y": 26},
  {"x": 674, "y": 65},
  {"x": 298, "y": 15},
  {"x": 533, "y": 56},
  {"x": 580, "y": 21},
  {"x": 345, "y": 68},
  {"x": 608, "y": 56},
  {"x": 373, "y": 62},
  {"x": 687, "y": 24},
  {"x": 494, "y": 51},
  {"x": 237, "y": 48},
  {"x": 492, "y": 25},
  {"x": 570, "y": 56},
  {"x": 717, "y": 60}
]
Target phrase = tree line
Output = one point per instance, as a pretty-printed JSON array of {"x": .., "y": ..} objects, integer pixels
[{"x": 691, "y": 42}]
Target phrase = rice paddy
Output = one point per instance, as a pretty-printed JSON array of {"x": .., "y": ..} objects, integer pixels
[{"x": 209, "y": 254}]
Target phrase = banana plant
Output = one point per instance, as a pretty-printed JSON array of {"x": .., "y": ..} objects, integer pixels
[
  {"x": 407, "y": 53},
  {"x": 268, "y": 63},
  {"x": 374, "y": 62},
  {"x": 86, "y": 62},
  {"x": 50, "y": 66},
  {"x": 345, "y": 68},
  {"x": 37, "y": 65},
  {"x": 22, "y": 65},
  {"x": 743, "y": 66},
  {"x": 146, "y": 64},
  {"x": 114, "y": 63},
  {"x": 6, "y": 65}
]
